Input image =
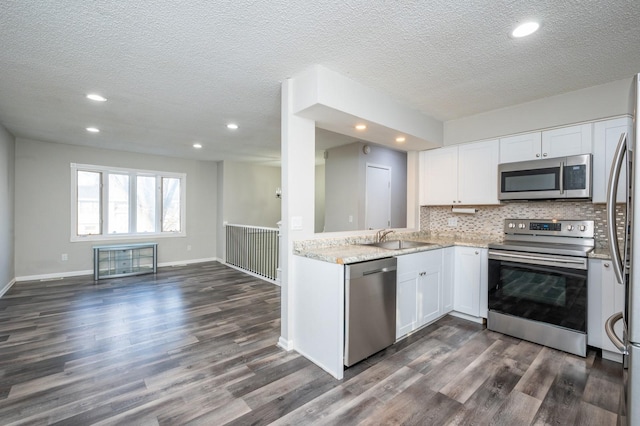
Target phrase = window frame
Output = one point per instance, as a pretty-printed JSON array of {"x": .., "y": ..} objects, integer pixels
[{"x": 105, "y": 171}]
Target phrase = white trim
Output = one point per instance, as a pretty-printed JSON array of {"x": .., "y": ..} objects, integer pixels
[
  {"x": 55, "y": 275},
  {"x": 116, "y": 237},
  {"x": 252, "y": 274},
  {"x": 188, "y": 262},
  {"x": 6, "y": 288},
  {"x": 58, "y": 275},
  {"x": 467, "y": 317},
  {"x": 104, "y": 184},
  {"x": 285, "y": 344}
]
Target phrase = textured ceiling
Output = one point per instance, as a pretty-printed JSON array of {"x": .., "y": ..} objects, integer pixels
[{"x": 176, "y": 72}]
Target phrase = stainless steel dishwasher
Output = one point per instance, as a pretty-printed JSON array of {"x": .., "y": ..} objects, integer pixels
[{"x": 370, "y": 308}]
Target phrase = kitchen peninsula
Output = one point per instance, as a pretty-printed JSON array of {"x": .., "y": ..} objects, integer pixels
[{"x": 446, "y": 276}]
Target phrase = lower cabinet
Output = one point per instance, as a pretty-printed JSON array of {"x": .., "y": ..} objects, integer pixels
[
  {"x": 470, "y": 281},
  {"x": 433, "y": 283},
  {"x": 419, "y": 290},
  {"x": 605, "y": 297}
]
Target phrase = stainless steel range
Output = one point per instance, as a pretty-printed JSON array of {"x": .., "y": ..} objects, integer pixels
[{"x": 538, "y": 282}]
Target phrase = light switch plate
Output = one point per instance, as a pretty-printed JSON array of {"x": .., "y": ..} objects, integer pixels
[{"x": 296, "y": 223}]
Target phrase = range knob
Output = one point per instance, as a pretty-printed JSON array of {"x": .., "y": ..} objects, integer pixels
[
  {"x": 511, "y": 225},
  {"x": 569, "y": 227},
  {"x": 521, "y": 225},
  {"x": 582, "y": 228}
]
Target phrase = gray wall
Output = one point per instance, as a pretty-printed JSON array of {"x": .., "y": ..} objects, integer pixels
[
  {"x": 342, "y": 187},
  {"x": 249, "y": 194},
  {"x": 7, "y": 185},
  {"x": 43, "y": 203},
  {"x": 345, "y": 185},
  {"x": 592, "y": 103},
  {"x": 398, "y": 163}
]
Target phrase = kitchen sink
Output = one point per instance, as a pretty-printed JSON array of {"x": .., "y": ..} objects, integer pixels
[{"x": 399, "y": 244}]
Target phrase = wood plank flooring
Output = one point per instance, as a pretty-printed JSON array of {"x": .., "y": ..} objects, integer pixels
[{"x": 197, "y": 345}]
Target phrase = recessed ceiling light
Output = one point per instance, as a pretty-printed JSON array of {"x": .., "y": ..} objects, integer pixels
[
  {"x": 96, "y": 97},
  {"x": 525, "y": 29},
  {"x": 197, "y": 145},
  {"x": 400, "y": 139},
  {"x": 93, "y": 130},
  {"x": 232, "y": 126},
  {"x": 361, "y": 126}
]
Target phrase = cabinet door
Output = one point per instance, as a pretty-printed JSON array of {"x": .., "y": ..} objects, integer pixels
[
  {"x": 572, "y": 140},
  {"x": 429, "y": 286},
  {"x": 407, "y": 289},
  {"x": 520, "y": 148},
  {"x": 478, "y": 172},
  {"x": 612, "y": 302},
  {"x": 406, "y": 304},
  {"x": 439, "y": 173},
  {"x": 447, "y": 279},
  {"x": 467, "y": 280},
  {"x": 606, "y": 135}
]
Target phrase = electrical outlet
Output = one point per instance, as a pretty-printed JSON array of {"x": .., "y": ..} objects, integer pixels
[
  {"x": 64, "y": 257},
  {"x": 350, "y": 219},
  {"x": 453, "y": 221},
  {"x": 189, "y": 248}
]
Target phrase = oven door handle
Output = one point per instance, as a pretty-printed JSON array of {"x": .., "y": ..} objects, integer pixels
[{"x": 494, "y": 255}]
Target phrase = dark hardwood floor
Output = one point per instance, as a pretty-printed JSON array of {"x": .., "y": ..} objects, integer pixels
[{"x": 197, "y": 345}]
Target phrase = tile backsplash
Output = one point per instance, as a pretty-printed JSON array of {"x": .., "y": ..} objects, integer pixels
[{"x": 488, "y": 220}]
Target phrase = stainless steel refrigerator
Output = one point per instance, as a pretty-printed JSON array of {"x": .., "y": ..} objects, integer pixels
[{"x": 626, "y": 262}]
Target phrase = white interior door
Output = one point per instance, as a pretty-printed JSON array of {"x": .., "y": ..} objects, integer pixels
[{"x": 378, "y": 193}]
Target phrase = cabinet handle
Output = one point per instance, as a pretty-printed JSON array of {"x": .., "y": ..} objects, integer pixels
[
  {"x": 544, "y": 155},
  {"x": 459, "y": 202},
  {"x": 606, "y": 265},
  {"x": 477, "y": 252},
  {"x": 538, "y": 155}
]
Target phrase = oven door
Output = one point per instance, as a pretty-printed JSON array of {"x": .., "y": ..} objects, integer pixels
[{"x": 539, "y": 287}]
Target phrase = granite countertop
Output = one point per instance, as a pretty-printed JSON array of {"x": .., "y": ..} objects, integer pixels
[
  {"x": 352, "y": 253},
  {"x": 600, "y": 253}
]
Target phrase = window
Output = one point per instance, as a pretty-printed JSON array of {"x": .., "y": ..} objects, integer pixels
[{"x": 112, "y": 203}]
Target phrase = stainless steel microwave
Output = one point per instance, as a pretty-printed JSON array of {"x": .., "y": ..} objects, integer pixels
[{"x": 546, "y": 179}]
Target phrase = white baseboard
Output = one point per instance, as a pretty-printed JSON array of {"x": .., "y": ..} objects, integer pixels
[
  {"x": 479, "y": 320},
  {"x": 59, "y": 275},
  {"x": 6, "y": 288},
  {"x": 252, "y": 274},
  {"x": 285, "y": 344},
  {"x": 54, "y": 276},
  {"x": 188, "y": 262}
]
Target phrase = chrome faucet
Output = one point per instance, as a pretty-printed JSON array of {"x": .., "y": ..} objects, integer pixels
[{"x": 381, "y": 235}]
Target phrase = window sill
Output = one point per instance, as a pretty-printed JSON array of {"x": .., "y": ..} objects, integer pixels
[{"x": 121, "y": 237}]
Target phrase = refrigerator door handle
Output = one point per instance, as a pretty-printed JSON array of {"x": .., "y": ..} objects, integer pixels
[
  {"x": 612, "y": 192},
  {"x": 611, "y": 333}
]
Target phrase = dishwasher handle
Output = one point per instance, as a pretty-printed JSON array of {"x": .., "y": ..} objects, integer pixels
[{"x": 378, "y": 271}]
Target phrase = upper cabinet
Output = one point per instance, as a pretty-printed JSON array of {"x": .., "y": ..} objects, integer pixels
[
  {"x": 564, "y": 141},
  {"x": 521, "y": 147},
  {"x": 459, "y": 175},
  {"x": 606, "y": 135}
]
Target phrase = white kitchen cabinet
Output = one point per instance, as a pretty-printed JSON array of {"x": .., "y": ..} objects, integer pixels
[
  {"x": 448, "y": 257},
  {"x": 460, "y": 175},
  {"x": 419, "y": 290},
  {"x": 606, "y": 135},
  {"x": 605, "y": 298},
  {"x": 560, "y": 142},
  {"x": 523, "y": 147},
  {"x": 470, "y": 281},
  {"x": 439, "y": 176}
]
